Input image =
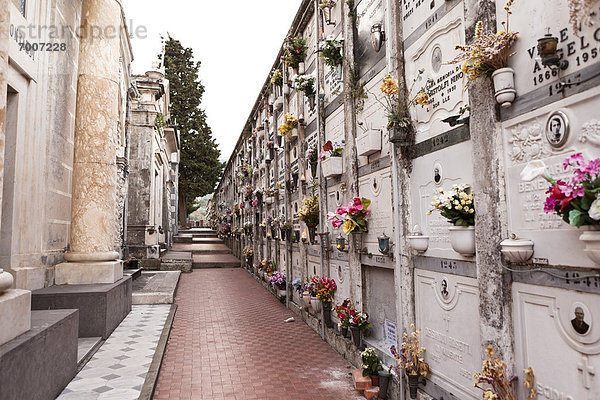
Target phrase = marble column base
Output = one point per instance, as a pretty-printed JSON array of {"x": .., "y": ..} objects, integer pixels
[
  {"x": 15, "y": 314},
  {"x": 87, "y": 273}
]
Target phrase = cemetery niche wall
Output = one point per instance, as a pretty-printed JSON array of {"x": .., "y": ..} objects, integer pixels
[{"x": 533, "y": 309}]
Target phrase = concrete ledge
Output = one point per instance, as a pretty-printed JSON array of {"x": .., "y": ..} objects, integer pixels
[
  {"x": 40, "y": 363},
  {"x": 88, "y": 273},
  {"x": 101, "y": 307},
  {"x": 15, "y": 314},
  {"x": 177, "y": 261}
]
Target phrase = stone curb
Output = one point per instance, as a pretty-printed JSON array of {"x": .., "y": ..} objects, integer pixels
[{"x": 152, "y": 376}]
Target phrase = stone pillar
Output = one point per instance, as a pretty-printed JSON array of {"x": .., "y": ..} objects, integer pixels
[{"x": 92, "y": 257}]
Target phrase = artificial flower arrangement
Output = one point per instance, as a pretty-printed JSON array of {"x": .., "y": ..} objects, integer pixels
[
  {"x": 332, "y": 149},
  {"x": 576, "y": 201},
  {"x": 325, "y": 288},
  {"x": 489, "y": 52},
  {"x": 277, "y": 279},
  {"x": 294, "y": 49},
  {"x": 285, "y": 224},
  {"x": 289, "y": 123},
  {"x": 353, "y": 217},
  {"x": 310, "y": 287},
  {"x": 326, "y": 4},
  {"x": 343, "y": 314},
  {"x": 277, "y": 77},
  {"x": 248, "y": 227},
  {"x": 305, "y": 84},
  {"x": 331, "y": 52},
  {"x": 359, "y": 319},
  {"x": 248, "y": 253},
  {"x": 312, "y": 155},
  {"x": 396, "y": 115},
  {"x": 297, "y": 285},
  {"x": 244, "y": 172},
  {"x": 494, "y": 375},
  {"x": 309, "y": 212},
  {"x": 267, "y": 266},
  {"x": 270, "y": 144},
  {"x": 236, "y": 209},
  {"x": 371, "y": 364},
  {"x": 456, "y": 205},
  {"x": 410, "y": 356}
]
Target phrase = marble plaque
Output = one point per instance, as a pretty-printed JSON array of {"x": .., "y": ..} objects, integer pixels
[
  {"x": 333, "y": 86},
  {"x": 377, "y": 187},
  {"x": 314, "y": 266},
  {"x": 442, "y": 169},
  {"x": 418, "y": 12},
  {"x": 444, "y": 82},
  {"x": 340, "y": 272},
  {"x": 447, "y": 312},
  {"x": 566, "y": 362},
  {"x": 334, "y": 126},
  {"x": 525, "y": 140},
  {"x": 533, "y": 21},
  {"x": 369, "y": 13}
]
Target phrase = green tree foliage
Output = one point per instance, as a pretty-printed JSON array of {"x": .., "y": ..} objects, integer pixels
[{"x": 199, "y": 168}]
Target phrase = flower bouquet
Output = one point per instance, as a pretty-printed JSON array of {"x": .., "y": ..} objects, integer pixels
[
  {"x": 305, "y": 84},
  {"x": 353, "y": 217},
  {"x": 493, "y": 374},
  {"x": 331, "y": 149},
  {"x": 331, "y": 51},
  {"x": 343, "y": 315},
  {"x": 309, "y": 212},
  {"x": 289, "y": 124},
  {"x": 371, "y": 364},
  {"x": 294, "y": 49},
  {"x": 277, "y": 77},
  {"x": 325, "y": 288},
  {"x": 576, "y": 201},
  {"x": 248, "y": 253},
  {"x": 456, "y": 205},
  {"x": 277, "y": 279},
  {"x": 410, "y": 358}
]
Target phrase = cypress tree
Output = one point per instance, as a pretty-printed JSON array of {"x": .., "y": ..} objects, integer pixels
[{"x": 199, "y": 168}]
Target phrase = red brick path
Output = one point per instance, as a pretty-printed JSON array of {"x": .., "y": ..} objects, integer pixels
[{"x": 229, "y": 341}]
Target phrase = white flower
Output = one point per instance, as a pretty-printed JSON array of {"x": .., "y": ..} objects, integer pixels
[
  {"x": 594, "y": 211},
  {"x": 534, "y": 169}
]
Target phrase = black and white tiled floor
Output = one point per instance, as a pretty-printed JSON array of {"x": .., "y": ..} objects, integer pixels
[{"x": 118, "y": 369}]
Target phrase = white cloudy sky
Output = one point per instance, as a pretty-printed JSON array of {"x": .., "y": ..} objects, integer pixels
[{"x": 236, "y": 41}]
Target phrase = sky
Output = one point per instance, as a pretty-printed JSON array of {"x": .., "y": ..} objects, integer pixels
[{"x": 236, "y": 41}]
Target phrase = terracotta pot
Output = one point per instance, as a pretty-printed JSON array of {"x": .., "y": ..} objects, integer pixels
[{"x": 375, "y": 380}]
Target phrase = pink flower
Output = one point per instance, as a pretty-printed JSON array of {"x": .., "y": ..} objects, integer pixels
[
  {"x": 321, "y": 155},
  {"x": 341, "y": 211},
  {"x": 254, "y": 203},
  {"x": 353, "y": 210},
  {"x": 336, "y": 223},
  {"x": 330, "y": 216},
  {"x": 357, "y": 201}
]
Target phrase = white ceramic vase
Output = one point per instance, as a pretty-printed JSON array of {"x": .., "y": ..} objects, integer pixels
[
  {"x": 315, "y": 303},
  {"x": 504, "y": 86},
  {"x": 462, "y": 239},
  {"x": 591, "y": 238},
  {"x": 419, "y": 243},
  {"x": 517, "y": 251}
]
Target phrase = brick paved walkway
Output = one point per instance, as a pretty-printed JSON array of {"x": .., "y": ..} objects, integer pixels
[{"x": 229, "y": 341}]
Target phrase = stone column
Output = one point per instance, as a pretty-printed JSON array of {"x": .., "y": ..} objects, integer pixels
[{"x": 92, "y": 257}]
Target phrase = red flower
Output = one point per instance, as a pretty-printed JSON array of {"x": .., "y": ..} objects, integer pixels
[{"x": 328, "y": 146}]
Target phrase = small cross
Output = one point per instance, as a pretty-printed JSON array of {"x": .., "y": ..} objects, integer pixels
[
  {"x": 446, "y": 318},
  {"x": 584, "y": 367}
]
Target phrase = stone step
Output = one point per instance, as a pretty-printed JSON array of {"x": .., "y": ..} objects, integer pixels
[
  {"x": 134, "y": 273},
  {"x": 215, "y": 261},
  {"x": 176, "y": 261},
  {"x": 86, "y": 348},
  {"x": 155, "y": 287},
  {"x": 207, "y": 240},
  {"x": 186, "y": 238},
  {"x": 202, "y": 248}
]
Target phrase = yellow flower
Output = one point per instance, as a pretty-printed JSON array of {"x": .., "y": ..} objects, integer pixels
[
  {"x": 389, "y": 86},
  {"x": 422, "y": 99},
  {"x": 478, "y": 29},
  {"x": 348, "y": 226}
]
